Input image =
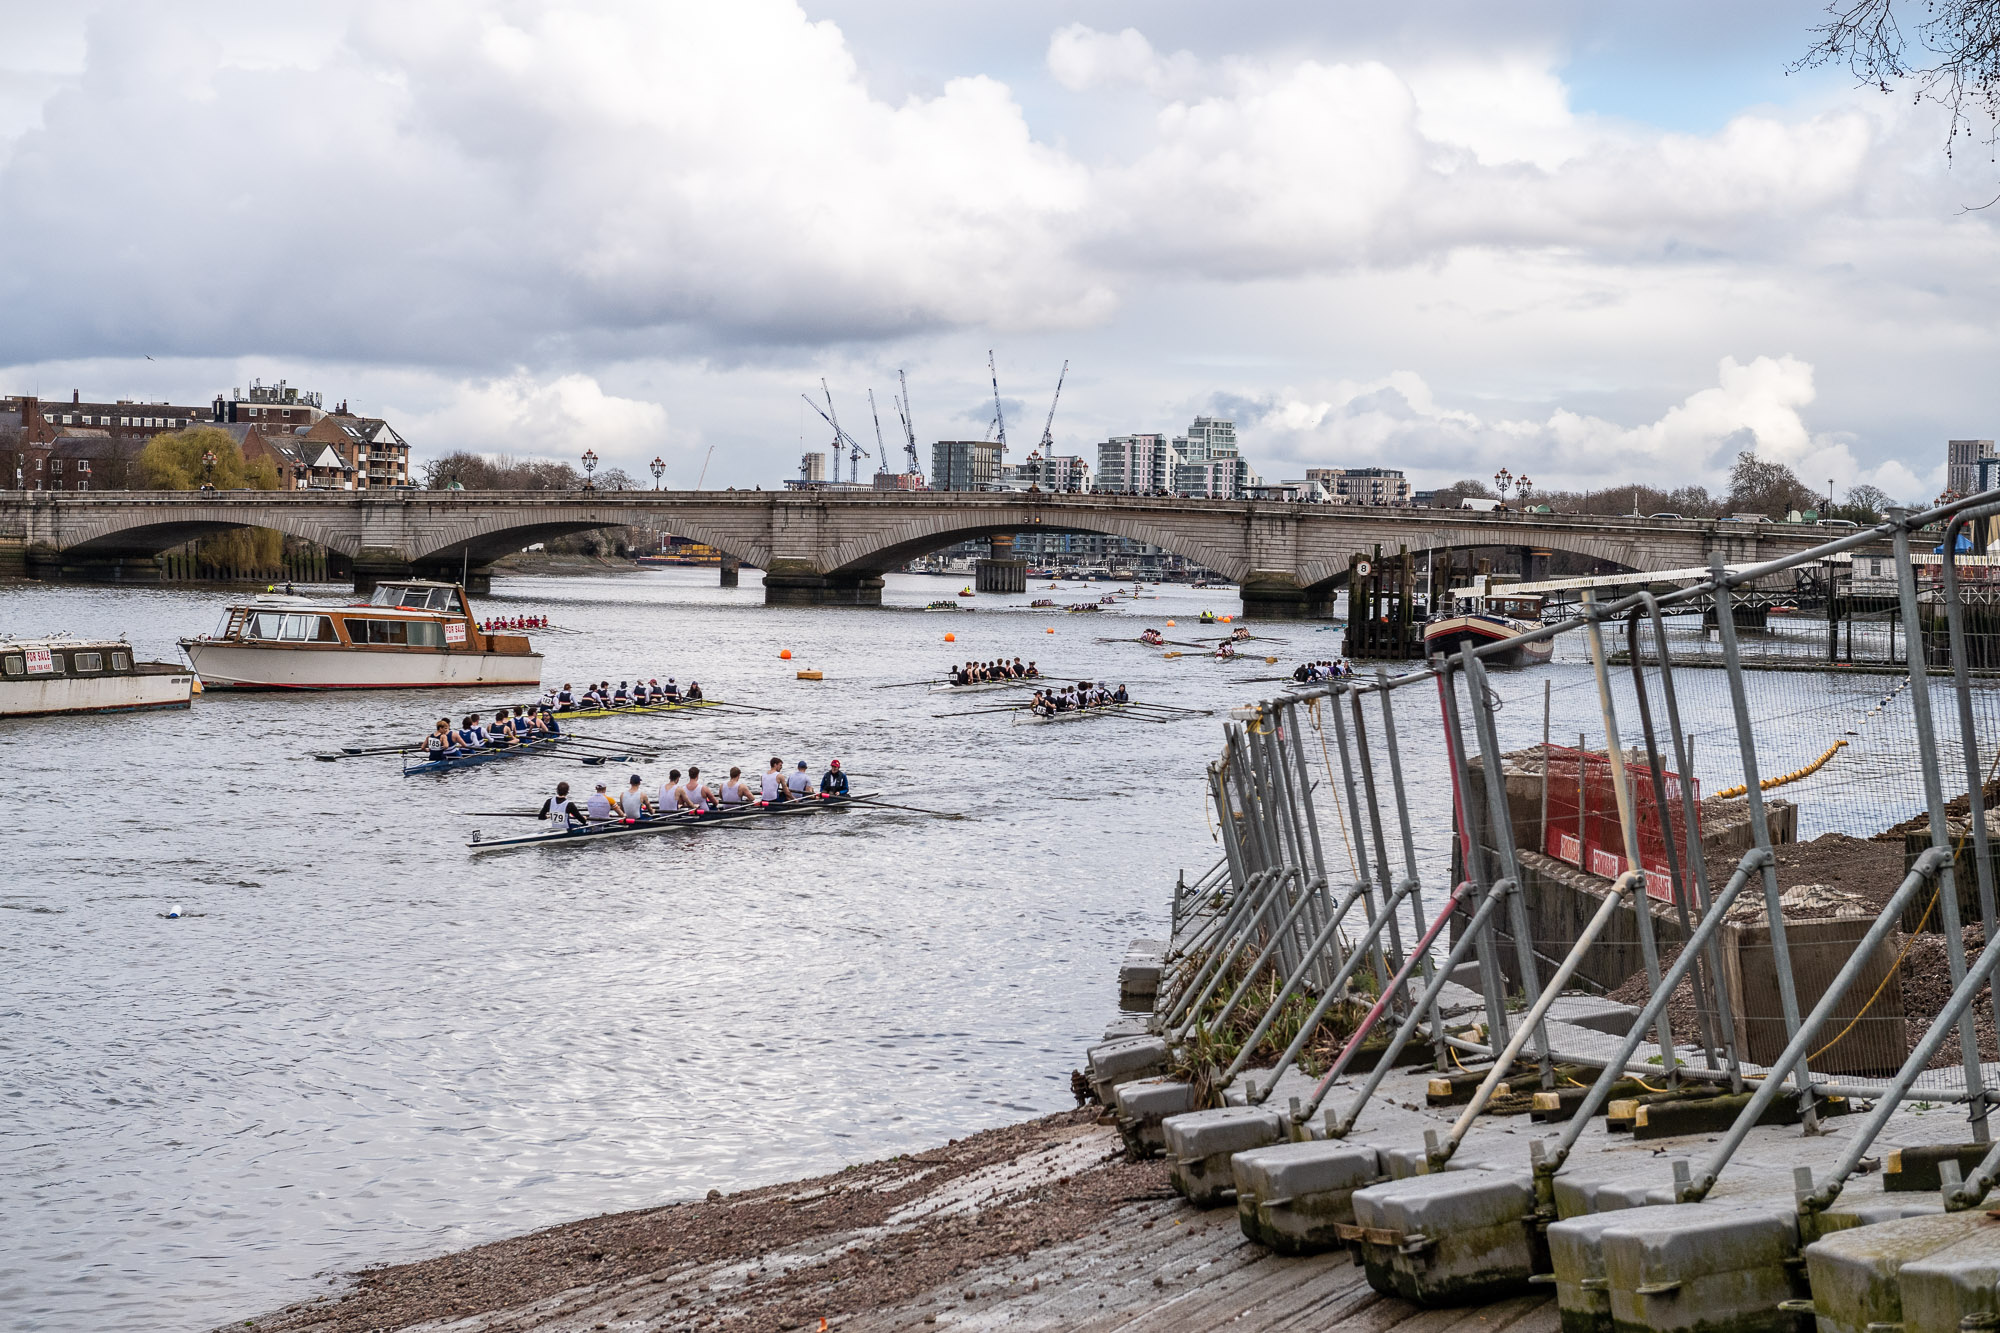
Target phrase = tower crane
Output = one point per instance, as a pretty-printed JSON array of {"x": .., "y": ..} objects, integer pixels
[
  {"x": 999, "y": 417},
  {"x": 1048, "y": 427},
  {"x": 855, "y": 453},
  {"x": 909, "y": 428},
  {"x": 840, "y": 436},
  {"x": 881, "y": 449}
]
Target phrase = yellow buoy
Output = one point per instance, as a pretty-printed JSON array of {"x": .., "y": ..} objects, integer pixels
[{"x": 812, "y": 675}]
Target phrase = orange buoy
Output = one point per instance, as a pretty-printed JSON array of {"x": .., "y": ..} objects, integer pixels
[
  {"x": 1050, "y": 630},
  {"x": 1227, "y": 619},
  {"x": 785, "y": 655},
  {"x": 951, "y": 638},
  {"x": 1170, "y": 624}
]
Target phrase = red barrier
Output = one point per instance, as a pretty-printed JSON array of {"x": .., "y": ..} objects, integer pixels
[{"x": 1583, "y": 827}]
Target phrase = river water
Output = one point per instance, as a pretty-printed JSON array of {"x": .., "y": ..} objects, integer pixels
[{"x": 361, "y": 1044}]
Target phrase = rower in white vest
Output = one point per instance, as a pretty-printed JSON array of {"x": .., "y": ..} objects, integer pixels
[
  {"x": 800, "y": 783},
  {"x": 599, "y": 805},
  {"x": 670, "y": 793},
  {"x": 774, "y": 782},
  {"x": 634, "y": 801},
  {"x": 694, "y": 796},
  {"x": 735, "y": 791}
]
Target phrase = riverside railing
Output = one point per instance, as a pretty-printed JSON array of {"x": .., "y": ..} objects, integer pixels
[{"x": 1272, "y": 909}]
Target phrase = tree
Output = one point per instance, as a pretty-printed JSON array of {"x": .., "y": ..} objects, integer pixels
[
  {"x": 1470, "y": 488},
  {"x": 1944, "y": 51},
  {"x": 173, "y": 462},
  {"x": 615, "y": 479},
  {"x": 477, "y": 472},
  {"x": 1864, "y": 504},
  {"x": 1770, "y": 489}
]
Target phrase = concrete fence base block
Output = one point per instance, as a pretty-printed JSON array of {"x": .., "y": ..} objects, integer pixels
[
  {"x": 1595, "y": 1013},
  {"x": 1703, "y": 1268},
  {"x": 1126, "y": 1027},
  {"x": 1456, "y": 1238},
  {"x": 1143, "y": 1105},
  {"x": 1576, "y": 1253},
  {"x": 1856, "y": 1274},
  {"x": 1962, "y": 1280},
  {"x": 1121, "y": 1061},
  {"x": 1200, "y": 1144},
  {"x": 1293, "y": 1197},
  {"x": 1404, "y": 1163}
]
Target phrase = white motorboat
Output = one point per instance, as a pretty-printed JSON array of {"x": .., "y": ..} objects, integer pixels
[{"x": 410, "y": 634}]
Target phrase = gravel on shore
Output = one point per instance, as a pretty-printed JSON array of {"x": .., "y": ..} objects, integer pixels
[{"x": 864, "y": 1239}]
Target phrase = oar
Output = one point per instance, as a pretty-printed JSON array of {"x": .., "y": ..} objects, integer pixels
[
  {"x": 350, "y": 751},
  {"x": 914, "y": 809},
  {"x": 906, "y": 685},
  {"x": 499, "y": 814}
]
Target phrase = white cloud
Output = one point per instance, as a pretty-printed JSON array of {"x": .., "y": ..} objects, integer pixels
[
  {"x": 1396, "y": 421},
  {"x": 467, "y": 187},
  {"x": 522, "y": 416},
  {"x": 1081, "y": 58}
]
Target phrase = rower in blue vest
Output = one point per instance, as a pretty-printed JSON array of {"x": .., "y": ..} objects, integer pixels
[
  {"x": 673, "y": 690},
  {"x": 834, "y": 783},
  {"x": 438, "y": 744},
  {"x": 549, "y": 722},
  {"x": 619, "y": 697}
]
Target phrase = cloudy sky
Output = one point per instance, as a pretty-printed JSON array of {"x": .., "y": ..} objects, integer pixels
[{"x": 1593, "y": 243}]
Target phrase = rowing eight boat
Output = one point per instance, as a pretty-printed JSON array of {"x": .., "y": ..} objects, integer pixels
[
  {"x": 1068, "y": 715},
  {"x": 686, "y": 819},
  {"x": 472, "y": 758},
  {"x": 946, "y": 687},
  {"x": 631, "y": 710}
]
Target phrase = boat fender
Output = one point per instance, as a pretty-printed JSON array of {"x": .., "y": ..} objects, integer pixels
[{"x": 174, "y": 912}]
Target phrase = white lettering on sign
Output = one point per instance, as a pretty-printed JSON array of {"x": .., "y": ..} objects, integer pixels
[
  {"x": 40, "y": 662},
  {"x": 454, "y": 632}
]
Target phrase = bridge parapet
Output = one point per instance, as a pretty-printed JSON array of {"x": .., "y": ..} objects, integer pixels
[{"x": 832, "y": 548}]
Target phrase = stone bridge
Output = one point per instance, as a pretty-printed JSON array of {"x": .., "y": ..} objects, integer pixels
[{"x": 833, "y": 547}]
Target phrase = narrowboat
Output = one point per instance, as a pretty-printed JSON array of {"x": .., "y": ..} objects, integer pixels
[
  {"x": 64, "y": 675},
  {"x": 409, "y": 634}
]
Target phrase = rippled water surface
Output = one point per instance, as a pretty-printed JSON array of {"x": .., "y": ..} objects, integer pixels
[{"x": 361, "y": 1044}]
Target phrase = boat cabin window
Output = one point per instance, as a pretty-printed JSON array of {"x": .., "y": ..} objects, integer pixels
[
  {"x": 378, "y": 631},
  {"x": 88, "y": 661},
  {"x": 309, "y": 629},
  {"x": 414, "y": 599},
  {"x": 426, "y": 634},
  {"x": 264, "y": 625},
  {"x": 16, "y": 667},
  {"x": 121, "y": 661}
]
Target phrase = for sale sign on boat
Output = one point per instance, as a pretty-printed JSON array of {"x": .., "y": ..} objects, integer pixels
[
  {"x": 41, "y": 662},
  {"x": 454, "y": 632}
]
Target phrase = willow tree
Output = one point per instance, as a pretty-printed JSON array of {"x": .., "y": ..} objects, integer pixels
[{"x": 177, "y": 462}]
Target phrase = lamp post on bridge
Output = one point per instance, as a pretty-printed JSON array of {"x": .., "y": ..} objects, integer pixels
[
  {"x": 589, "y": 466},
  {"x": 208, "y": 470},
  {"x": 659, "y": 468},
  {"x": 1503, "y": 481}
]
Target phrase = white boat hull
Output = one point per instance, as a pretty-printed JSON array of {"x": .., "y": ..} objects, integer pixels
[
  {"x": 241, "y": 666},
  {"x": 48, "y": 696}
]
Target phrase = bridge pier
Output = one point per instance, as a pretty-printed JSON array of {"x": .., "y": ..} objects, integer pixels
[
  {"x": 1275, "y": 594},
  {"x": 1000, "y": 571},
  {"x": 797, "y": 583},
  {"x": 732, "y": 570}
]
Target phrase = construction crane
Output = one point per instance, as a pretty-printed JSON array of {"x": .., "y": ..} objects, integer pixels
[
  {"x": 999, "y": 417},
  {"x": 1048, "y": 427},
  {"x": 840, "y": 436},
  {"x": 909, "y": 429},
  {"x": 881, "y": 449}
]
